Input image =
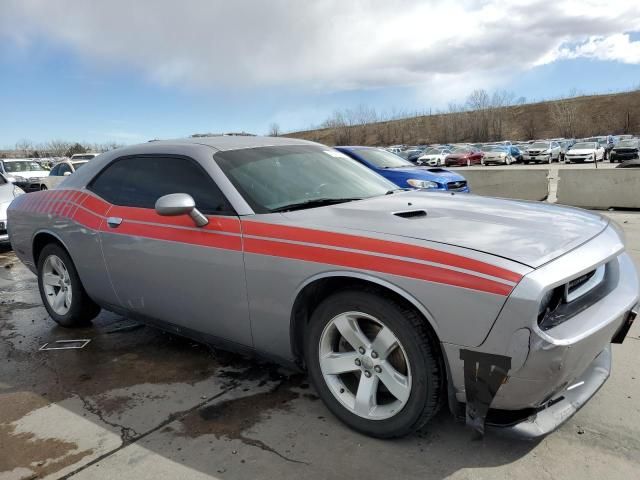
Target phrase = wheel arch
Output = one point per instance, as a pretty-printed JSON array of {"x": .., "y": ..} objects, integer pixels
[
  {"x": 311, "y": 292},
  {"x": 43, "y": 238}
]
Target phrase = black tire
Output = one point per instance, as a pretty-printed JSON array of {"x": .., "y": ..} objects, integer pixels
[
  {"x": 82, "y": 309},
  {"x": 420, "y": 345},
  {"x": 43, "y": 187}
]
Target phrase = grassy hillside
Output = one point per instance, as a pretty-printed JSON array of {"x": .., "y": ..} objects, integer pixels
[{"x": 575, "y": 117}]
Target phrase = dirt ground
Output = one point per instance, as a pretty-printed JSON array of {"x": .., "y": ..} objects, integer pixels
[{"x": 139, "y": 403}]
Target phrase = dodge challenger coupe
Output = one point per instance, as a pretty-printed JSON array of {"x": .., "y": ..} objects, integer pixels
[{"x": 395, "y": 302}]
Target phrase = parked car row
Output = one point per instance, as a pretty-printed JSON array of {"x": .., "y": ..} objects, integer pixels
[
  {"x": 593, "y": 149},
  {"x": 32, "y": 175}
]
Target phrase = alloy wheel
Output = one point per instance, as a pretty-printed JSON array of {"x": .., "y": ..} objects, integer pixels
[
  {"x": 57, "y": 285},
  {"x": 365, "y": 366}
]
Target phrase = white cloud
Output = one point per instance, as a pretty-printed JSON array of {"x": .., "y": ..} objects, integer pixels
[
  {"x": 618, "y": 47},
  {"x": 329, "y": 44}
]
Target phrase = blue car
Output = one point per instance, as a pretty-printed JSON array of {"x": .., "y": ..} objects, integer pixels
[{"x": 404, "y": 173}]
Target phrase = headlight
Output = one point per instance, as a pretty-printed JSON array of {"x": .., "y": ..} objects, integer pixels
[
  {"x": 502, "y": 155},
  {"x": 415, "y": 183},
  {"x": 17, "y": 191},
  {"x": 550, "y": 301}
]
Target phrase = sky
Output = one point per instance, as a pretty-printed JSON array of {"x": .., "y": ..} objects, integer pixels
[{"x": 126, "y": 72}]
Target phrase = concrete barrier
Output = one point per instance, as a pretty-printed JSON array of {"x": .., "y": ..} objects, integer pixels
[
  {"x": 514, "y": 182},
  {"x": 610, "y": 188}
]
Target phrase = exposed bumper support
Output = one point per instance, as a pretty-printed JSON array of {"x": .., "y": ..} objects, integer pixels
[{"x": 565, "y": 404}]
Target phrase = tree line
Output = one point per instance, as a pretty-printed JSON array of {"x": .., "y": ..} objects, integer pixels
[
  {"x": 57, "y": 148},
  {"x": 483, "y": 117}
]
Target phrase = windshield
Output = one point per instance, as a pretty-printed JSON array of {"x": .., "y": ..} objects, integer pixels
[
  {"x": 539, "y": 145},
  {"x": 432, "y": 151},
  {"x": 88, "y": 156},
  {"x": 77, "y": 165},
  {"x": 22, "y": 166},
  {"x": 382, "y": 159},
  {"x": 628, "y": 143},
  {"x": 461, "y": 150},
  {"x": 271, "y": 178},
  {"x": 493, "y": 148},
  {"x": 584, "y": 145}
]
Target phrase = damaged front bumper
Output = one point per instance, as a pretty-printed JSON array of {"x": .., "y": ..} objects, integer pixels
[
  {"x": 526, "y": 381},
  {"x": 561, "y": 408}
]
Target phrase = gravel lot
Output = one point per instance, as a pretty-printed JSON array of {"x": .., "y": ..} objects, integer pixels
[{"x": 138, "y": 403}]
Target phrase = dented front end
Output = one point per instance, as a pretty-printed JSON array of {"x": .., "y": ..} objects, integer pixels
[{"x": 538, "y": 366}]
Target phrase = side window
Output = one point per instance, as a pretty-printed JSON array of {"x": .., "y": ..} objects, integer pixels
[
  {"x": 140, "y": 181},
  {"x": 64, "y": 168},
  {"x": 55, "y": 171}
]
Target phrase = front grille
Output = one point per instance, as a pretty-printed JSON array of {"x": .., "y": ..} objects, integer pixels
[
  {"x": 578, "y": 282},
  {"x": 459, "y": 185},
  {"x": 625, "y": 151}
]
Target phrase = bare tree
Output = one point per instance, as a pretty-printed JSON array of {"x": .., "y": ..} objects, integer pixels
[
  {"x": 564, "y": 114},
  {"x": 274, "y": 130},
  {"x": 57, "y": 148},
  {"x": 478, "y": 105},
  {"x": 24, "y": 146}
]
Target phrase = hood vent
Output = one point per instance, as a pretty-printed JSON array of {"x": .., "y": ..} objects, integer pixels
[{"x": 411, "y": 214}]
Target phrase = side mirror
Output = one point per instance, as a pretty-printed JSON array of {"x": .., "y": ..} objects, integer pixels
[
  {"x": 176, "y": 204},
  {"x": 66, "y": 174}
]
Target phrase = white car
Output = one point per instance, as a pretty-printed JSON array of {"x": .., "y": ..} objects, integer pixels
[
  {"x": 61, "y": 171},
  {"x": 542, "y": 152},
  {"x": 434, "y": 157},
  {"x": 8, "y": 192},
  {"x": 584, "y": 152},
  {"x": 497, "y": 154},
  {"x": 26, "y": 174}
]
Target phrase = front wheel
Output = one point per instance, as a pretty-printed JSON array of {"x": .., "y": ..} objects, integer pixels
[
  {"x": 60, "y": 288},
  {"x": 374, "y": 363},
  {"x": 43, "y": 187}
]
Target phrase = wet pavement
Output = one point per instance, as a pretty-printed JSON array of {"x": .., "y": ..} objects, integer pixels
[{"x": 140, "y": 403}]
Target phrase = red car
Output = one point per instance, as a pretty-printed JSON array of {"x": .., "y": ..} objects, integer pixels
[{"x": 464, "y": 156}]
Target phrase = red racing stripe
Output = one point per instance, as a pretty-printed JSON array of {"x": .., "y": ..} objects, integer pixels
[
  {"x": 216, "y": 223},
  {"x": 378, "y": 264},
  {"x": 374, "y": 245},
  {"x": 192, "y": 237}
]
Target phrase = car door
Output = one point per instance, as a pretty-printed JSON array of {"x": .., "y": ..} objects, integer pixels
[{"x": 166, "y": 269}]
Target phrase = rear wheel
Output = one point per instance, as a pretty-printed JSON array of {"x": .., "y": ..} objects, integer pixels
[
  {"x": 43, "y": 187},
  {"x": 374, "y": 363},
  {"x": 60, "y": 288}
]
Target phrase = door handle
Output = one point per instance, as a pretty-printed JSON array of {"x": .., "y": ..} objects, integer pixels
[{"x": 114, "y": 222}]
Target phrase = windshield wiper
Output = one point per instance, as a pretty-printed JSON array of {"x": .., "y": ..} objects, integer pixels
[{"x": 316, "y": 202}]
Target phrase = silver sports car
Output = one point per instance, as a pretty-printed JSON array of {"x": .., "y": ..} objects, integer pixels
[{"x": 396, "y": 302}]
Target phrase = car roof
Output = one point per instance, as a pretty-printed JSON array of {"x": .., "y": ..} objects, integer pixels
[{"x": 224, "y": 143}]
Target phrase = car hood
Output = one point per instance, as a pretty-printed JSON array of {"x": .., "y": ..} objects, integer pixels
[
  {"x": 495, "y": 154},
  {"x": 580, "y": 151},
  {"x": 530, "y": 233},
  {"x": 30, "y": 174},
  {"x": 456, "y": 156},
  {"x": 428, "y": 173}
]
